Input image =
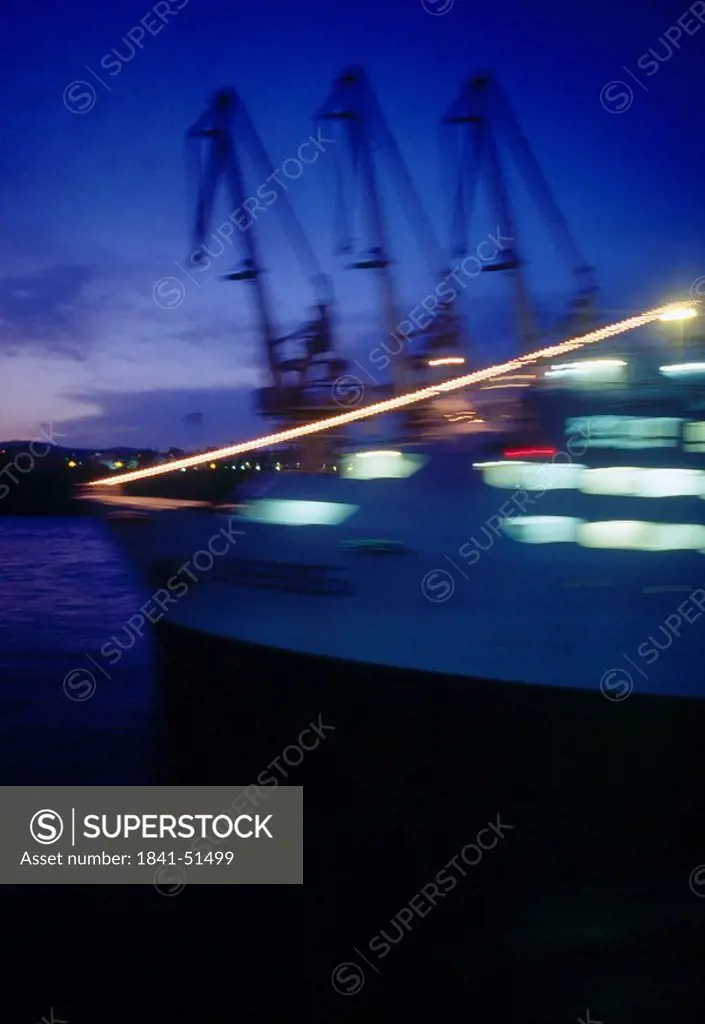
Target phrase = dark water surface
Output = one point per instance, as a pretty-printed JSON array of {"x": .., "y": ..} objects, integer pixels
[
  {"x": 66, "y": 591},
  {"x": 585, "y": 904},
  {"x": 108, "y": 952}
]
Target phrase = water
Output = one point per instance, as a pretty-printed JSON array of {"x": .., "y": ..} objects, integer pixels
[
  {"x": 568, "y": 913},
  {"x": 65, "y": 592}
]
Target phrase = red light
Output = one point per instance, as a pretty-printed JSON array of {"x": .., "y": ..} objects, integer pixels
[{"x": 523, "y": 453}]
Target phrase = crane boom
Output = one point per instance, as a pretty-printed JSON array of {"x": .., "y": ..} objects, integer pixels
[
  {"x": 533, "y": 172},
  {"x": 484, "y": 109},
  {"x": 302, "y": 364},
  {"x": 291, "y": 223},
  {"x": 354, "y": 104},
  {"x": 214, "y": 130}
]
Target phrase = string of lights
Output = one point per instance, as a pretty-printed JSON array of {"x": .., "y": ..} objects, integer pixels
[{"x": 399, "y": 402}]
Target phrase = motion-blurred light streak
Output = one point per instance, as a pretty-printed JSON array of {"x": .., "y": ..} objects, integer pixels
[{"x": 392, "y": 404}]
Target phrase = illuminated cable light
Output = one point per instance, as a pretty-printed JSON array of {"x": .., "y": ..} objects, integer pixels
[
  {"x": 519, "y": 376},
  {"x": 447, "y": 361},
  {"x": 502, "y": 381},
  {"x": 679, "y": 313},
  {"x": 391, "y": 404}
]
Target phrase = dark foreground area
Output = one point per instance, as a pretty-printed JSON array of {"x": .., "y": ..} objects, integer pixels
[
  {"x": 585, "y": 901},
  {"x": 589, "y": 901}
]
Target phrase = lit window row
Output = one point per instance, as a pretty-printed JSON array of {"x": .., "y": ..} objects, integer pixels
[
  {"x": 625, "y": 535},
  {"x": 614, "y": 481}
]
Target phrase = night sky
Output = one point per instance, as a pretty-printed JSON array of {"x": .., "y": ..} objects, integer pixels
[{"x": 95, "y": 208}]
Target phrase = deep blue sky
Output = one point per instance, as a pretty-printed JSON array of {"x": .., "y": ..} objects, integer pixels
[{"x": 95, "y": 211}]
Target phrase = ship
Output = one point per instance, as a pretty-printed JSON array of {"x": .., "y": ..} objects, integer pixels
[{"x": 499, "y": 603}]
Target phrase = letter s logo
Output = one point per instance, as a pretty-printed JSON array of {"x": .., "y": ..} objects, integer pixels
[
  {"x": 437, "y": 586},
  {"x": 46, "y": 827}
]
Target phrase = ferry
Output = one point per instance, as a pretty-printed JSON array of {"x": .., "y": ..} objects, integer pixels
[
  {"x": 488, "y": 555},
  {"x": 503, "y": 622}
]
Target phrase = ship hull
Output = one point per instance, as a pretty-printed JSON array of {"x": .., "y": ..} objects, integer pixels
[
  {"x": 604, "y": 801},
  {"x": 562, "y": 676},
  {"x": 416, "y": 710}
]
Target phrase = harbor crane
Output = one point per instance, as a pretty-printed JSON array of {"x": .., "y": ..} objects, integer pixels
[
  {"x": 484, "y": 112},
  {"x": 353, "y": 105},
  {"x": 301, "y": 365}
]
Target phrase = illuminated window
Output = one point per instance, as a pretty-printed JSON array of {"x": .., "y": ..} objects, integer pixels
[
  {"x": 381, "y": 465},
  {"x": 625, "y": 481},
  {"x": 694, "y": 436},
  {"x": 542, "y": 529},
  {"x": 530, "y": 476},
  {"x": 683, "y": 370},
  {"x": 625, "y": 432},
  {"x": 640, "y": 536},
  {"x": 623, "y": 535},
  {"x": 589, "y": 371},
  {"x": 283, "y": 512}
]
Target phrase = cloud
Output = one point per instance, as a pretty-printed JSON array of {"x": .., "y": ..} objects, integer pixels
[
  {"x": 156, "y": 418},
  {"x": 50, "y": 309}
]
